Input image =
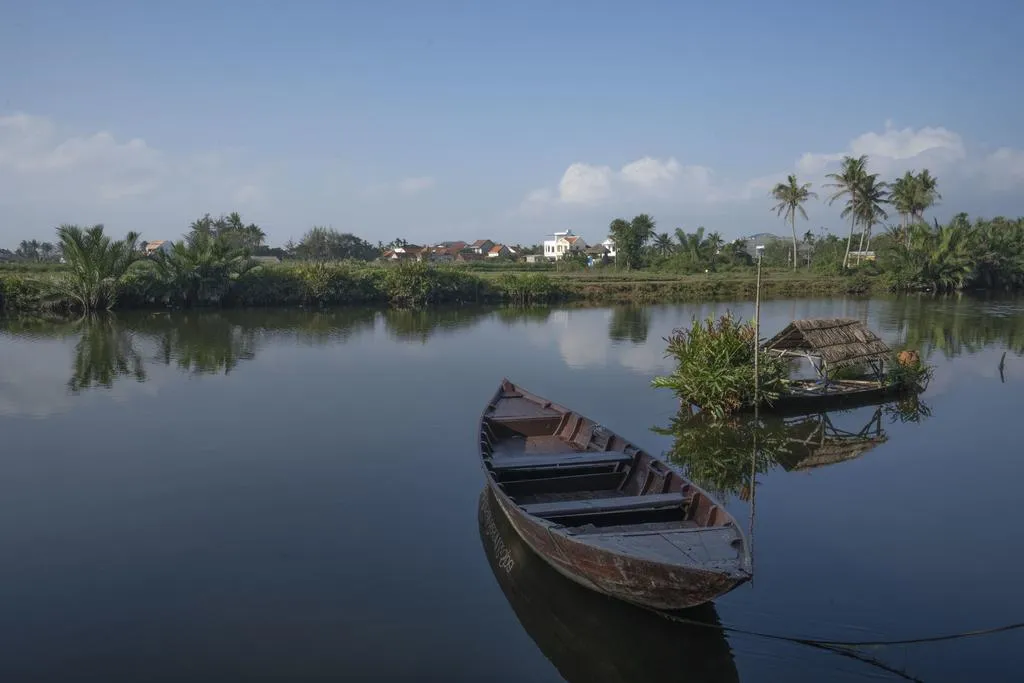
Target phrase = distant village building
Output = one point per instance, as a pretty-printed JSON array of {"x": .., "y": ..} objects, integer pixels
[
  {"x": 564, "y": 242},
  {"x": 481, "y": 247},
  {"x": 609, "y": 245},
  {"x": 499, "y": 250},
  {"x": 158, "y": 245}
]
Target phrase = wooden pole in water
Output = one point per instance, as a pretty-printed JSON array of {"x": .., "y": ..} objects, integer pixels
[
  {"x": 757, "y": 415},
  {"x": 757, "y": 330}
]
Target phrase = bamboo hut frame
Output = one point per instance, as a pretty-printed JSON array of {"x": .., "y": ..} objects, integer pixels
[
  {"x": 835, "y": 343},
  {"x": 826, "y": 444}
]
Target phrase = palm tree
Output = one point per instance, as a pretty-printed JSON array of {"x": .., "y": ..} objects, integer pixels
[
  {"x": 847, "y": 183},
  {"x": 871, "y": 195},
  {"x": 902, "y": 198},
  {"x": 809, "y": 241},
  {"x": 663, "y": 244},
  {"x": 791, "y": 196},
  {"x": 96, "y": 266},
  {"x": 202, "y": 269},
  {"x": 926, "y": 195},
  {"x": 714, "y": 245}
]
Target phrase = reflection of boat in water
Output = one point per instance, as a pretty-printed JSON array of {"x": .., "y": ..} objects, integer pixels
[
  {"x": 603, "y": 512},
  {"x": 590, "y": 637},
  {"x": 814, "y": 441},
  {"x": 833, "y": 346},
  {"x": 716, "y": 454}
]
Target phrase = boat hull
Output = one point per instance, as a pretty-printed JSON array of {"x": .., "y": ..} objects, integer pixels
[
  {"x": 642, "y": 582},
  {"x": 794, "y": 404}
]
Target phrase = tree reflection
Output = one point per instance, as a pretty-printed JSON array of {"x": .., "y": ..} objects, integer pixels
[
  {"x": 720, "y": 457},
  {"x": 956, "y": 324},
  {"x": 630, "y": 323},
  {"x": 420, "y": 324},
  {"x": 104, "y": 351}
]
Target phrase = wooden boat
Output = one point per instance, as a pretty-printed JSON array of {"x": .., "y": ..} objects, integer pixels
[
  {"x": 591, "y": 638},
  {"x": 603, "y": 512},
  {"x": 807, "y": 395},
  {"x": 830, "y": 345}
]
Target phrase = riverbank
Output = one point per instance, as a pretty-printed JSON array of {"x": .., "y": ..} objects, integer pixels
[{"x": 418, "y": 286}]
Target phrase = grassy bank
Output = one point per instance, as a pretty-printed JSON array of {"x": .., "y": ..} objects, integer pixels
[{"x": 417, "y": 286}]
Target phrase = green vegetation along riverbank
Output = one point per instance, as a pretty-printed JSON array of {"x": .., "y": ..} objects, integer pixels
[{"x": 145, "y": 286}]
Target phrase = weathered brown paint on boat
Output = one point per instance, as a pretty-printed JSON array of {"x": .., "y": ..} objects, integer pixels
[
  {"x": 842, "y": 394},
  {"x": 671, "y": 568},
  {"x": 591, "y": 638}
]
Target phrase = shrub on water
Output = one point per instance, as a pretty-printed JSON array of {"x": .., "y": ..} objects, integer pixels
[{"x": 715, "y": 366}]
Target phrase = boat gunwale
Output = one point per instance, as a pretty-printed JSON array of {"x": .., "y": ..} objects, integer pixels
[{"x": 739, "y": 571}]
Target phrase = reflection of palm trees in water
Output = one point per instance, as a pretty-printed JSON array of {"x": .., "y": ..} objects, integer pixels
[
  {"x": 630, "y": 323},
  {"x": 104, "y": 352},
  {"x": 206, "y": 343},
  {"x": 955, "y": 325},
  {"x": 717, "y": 455}
]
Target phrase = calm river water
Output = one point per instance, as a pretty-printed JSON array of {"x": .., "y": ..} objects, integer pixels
[{"x": 295, "y": 496}]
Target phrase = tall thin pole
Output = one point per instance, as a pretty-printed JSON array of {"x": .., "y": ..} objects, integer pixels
[
  {"x": 757, "y": 330},
  {"x": 757, "y": 413}
]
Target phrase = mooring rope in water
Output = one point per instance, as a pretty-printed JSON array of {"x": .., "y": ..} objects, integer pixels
[
  {"x": 844, "y": 648},
  {"x": 839, "y": 643}
]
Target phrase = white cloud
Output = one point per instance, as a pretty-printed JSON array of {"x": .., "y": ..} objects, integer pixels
[
  {"x": 584, "y": 184},
  {"x": 891, "y": 151},
  {"x": 51, "y": 175}
]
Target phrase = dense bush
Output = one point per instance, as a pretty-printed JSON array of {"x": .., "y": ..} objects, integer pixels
[{"x": 715, "y": 366}]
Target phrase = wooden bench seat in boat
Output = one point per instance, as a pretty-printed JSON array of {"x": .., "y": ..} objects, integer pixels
[
  {"x": 501, "y": 463},
  {"x": 599, "y": 505}
]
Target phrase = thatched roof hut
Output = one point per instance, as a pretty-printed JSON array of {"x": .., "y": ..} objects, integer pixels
[
  {"x": 838, "y": 342},
  {"x": 814, "y": 441}
]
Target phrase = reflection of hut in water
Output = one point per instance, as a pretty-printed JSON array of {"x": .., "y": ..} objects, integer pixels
[
  {"x": 814, "y": 441},
  {"x": 830, "y": 346},
  {"x": 594, "y": 638}
]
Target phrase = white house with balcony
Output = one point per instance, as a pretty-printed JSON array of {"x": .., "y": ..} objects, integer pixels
[
  {"x": 564, "y": 242},
  {"x": 609, "y": 244}
]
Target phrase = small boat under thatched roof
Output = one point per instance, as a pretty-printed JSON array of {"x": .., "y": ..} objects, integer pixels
[
  {"x": 832, "y": 344},
  {"x": 838, "y": 342}
]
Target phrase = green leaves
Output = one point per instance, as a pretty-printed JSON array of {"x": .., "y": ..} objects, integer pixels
[
  {"x": 715, "y": 366},
  {"x": 95, "y": 266}
]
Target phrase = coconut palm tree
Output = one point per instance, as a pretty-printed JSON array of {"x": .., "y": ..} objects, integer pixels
[
  {"x": 714, "y": 246},
  {"x": 791, "y": 197},
  {"x": 926, "y": 194},
  {"x": 96, "y": 266},
  {"x": 902, "y": 196},
  {"x": 663, "y": 244},
  {"x": 871, "y": 197},
  {"x": 847, "y": 182}
]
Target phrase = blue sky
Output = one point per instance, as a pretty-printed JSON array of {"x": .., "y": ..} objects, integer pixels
[{"x": 458, "y": 120}]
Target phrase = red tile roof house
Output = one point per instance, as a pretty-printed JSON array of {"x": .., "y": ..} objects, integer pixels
[
  {"x": 499, "y": 250},
  {"x": 481, "y": 246},
  {"x": 409, "y": 252}
]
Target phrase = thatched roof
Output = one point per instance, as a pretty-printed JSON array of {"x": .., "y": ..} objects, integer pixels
[
  {"x": 806, "y": 456},
  {"x": 837, "y": 341}
]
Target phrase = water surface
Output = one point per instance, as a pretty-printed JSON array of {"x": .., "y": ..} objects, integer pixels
[{"x": 296, "y": 496}]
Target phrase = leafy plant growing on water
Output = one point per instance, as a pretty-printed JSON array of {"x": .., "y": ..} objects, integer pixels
[
  {"x": 715, "y": 366},
  {"x": 96, "y": 267},
  {"x": 908, "y": 371}
]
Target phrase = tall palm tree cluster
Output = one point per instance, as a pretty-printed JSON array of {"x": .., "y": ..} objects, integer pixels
[
  {"x": 697, "y": 248},
  {"x": 864, "y": 200}
]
